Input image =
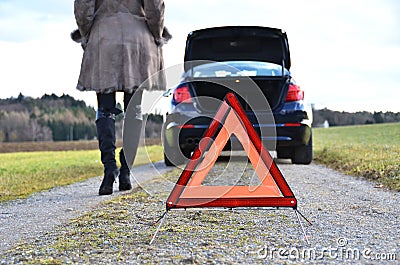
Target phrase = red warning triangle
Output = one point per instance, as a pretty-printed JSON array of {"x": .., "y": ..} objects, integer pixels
[{"x": 189, "y": 191}]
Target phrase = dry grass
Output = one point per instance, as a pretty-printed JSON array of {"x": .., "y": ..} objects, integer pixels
[
  {"x": 24, "y": 173},
  {"x": 61, "y": 146},
  {"x": 370, "y": 151}
]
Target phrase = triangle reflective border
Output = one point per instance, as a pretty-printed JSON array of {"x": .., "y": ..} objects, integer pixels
[{"x": 189, "y": 192}]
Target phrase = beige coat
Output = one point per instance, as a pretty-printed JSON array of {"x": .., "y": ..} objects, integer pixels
[{"x": 122, "y": 42}]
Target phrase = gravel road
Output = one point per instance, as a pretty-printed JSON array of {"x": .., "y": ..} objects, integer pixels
[
  {"x": 354, "y": 222},
  {"x": 26, "y": 219}
]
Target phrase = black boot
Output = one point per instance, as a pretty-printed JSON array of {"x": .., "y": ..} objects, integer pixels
[
  {"x": 106, "y": 187},
  {"x": 106, "y": 134},
  {"x": 124, "y": 173},
  {"x": 131, "y": 137}
]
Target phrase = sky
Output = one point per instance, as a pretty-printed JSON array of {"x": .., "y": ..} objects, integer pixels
[{"x": 345, "y": 54}]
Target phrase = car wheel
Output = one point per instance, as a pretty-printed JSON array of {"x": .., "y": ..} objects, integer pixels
[
  {"x": 175, "y": 158},
  {"x": 168, "y": 162},
  {"x": 284, "y": 153},
  {"x": 303, "y": 154}
]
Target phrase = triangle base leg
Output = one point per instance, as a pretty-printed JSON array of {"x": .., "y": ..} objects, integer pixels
[
  {"x": 298, "y": 215},
  {"x": 161, "y": 220}
]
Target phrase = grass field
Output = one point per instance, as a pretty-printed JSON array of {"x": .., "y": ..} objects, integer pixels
[
  {"x": 24, "y": 173},
  {"x": 64, "y": 146},
  {"x": 371, "y": 151}
]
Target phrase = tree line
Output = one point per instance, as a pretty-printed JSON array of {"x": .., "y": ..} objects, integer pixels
[
  {"x": 56, "y": 118},
  {"x": 63, "y": 118},
  {"x": 342, "y": 118},
  {"x": 49, "y": 118}
]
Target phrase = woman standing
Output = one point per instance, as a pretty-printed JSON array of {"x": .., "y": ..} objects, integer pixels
[{"x": 122, "y": 42}]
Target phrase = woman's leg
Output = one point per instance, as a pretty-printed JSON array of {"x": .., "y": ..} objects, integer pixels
[
  {"x": 131, "y": 137},
  {"x": 105, "y": 125}
]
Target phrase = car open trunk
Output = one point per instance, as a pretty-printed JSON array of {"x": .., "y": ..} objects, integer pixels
[
  {"x": 237, "y": 43},
  {"x": 253, "y": 93}
]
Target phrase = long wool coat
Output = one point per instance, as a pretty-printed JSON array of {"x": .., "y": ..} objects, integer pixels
[{"x": 122, "y": 42}]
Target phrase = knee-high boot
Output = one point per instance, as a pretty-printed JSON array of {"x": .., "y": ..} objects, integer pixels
[
  {"x": 105, "y": 125},
  {"x": 131, "y": 137},
  {"x": 124, "y": 173}
]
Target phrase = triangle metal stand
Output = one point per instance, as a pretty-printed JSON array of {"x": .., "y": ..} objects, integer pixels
[
  {"x": 298, "y": 215},
  {"x": 161, "y": 220}
]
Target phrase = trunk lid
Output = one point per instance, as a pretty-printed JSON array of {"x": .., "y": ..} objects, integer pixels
[{"x": 237, "y": 43}]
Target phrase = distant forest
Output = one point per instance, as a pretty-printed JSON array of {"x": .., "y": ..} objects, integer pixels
[
  {"x": 55, "y": 118},
  {"x": 62, "y": 118},
  {"x": 342, "y": 118}
]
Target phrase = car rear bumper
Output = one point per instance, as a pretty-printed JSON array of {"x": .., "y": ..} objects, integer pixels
[{"x": 187, "y": 134}]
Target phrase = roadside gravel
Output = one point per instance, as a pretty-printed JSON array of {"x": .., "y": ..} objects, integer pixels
[
  {"x": 26, "y": 219},
  {"x": 354, "y": 222}
]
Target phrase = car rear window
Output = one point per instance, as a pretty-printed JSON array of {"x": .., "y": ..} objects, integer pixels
[{"x": 238, "y": 68}]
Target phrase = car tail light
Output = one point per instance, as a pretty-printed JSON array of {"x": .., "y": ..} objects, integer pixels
[
  {"x": 182, "y": 94},
  {"x": 292, "y": 124},
  {"x": 295, "y": 93},
  {"x": 186, "y": 126}
]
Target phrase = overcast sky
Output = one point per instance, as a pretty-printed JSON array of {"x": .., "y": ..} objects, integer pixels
[{"x": 345, "y": 54}]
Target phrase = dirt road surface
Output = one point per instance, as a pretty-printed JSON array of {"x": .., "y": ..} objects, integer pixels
[{"x": 354, "y": 221}]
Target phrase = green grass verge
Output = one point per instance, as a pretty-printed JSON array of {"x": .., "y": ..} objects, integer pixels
[
  {"x": 371, "y": 151},
  {"x": 22, "y": 174}
]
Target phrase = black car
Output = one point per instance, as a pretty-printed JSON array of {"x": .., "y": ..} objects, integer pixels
[{"x": 253, "y": 63}]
